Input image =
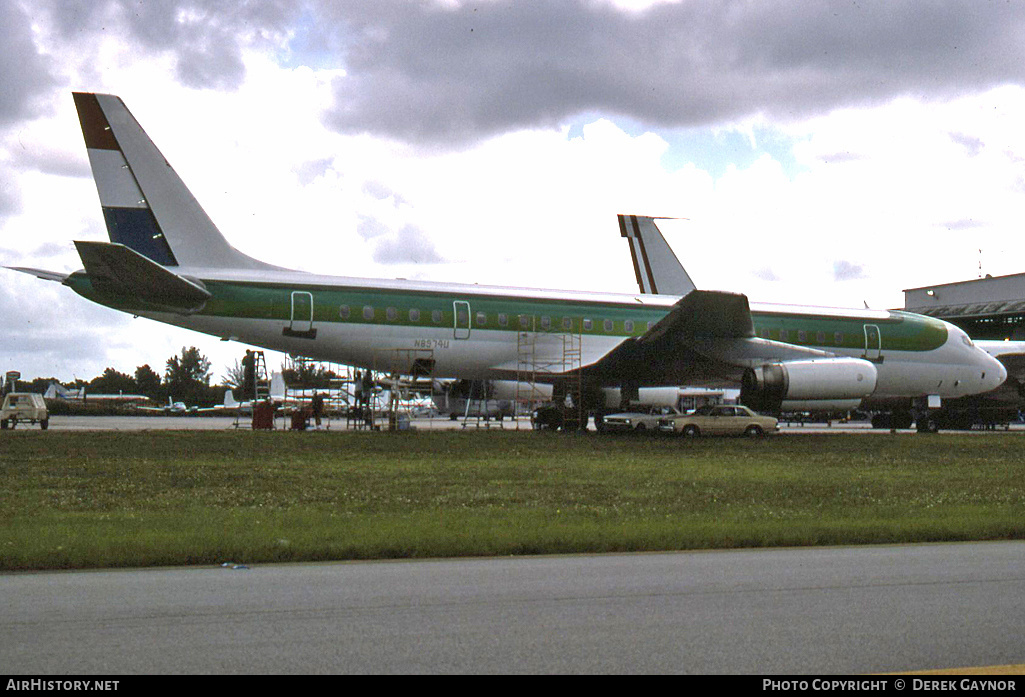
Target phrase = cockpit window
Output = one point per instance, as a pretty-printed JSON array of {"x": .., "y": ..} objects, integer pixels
[{"x": 967, "y": 341}]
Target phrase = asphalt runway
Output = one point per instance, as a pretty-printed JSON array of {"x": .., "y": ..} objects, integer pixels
[
  {"x": 842, "y": 611},
  {"x": 221, "y": 423}
]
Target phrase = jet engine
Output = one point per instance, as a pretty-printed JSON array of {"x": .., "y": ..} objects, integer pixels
[{"x": 821, "y": 384}]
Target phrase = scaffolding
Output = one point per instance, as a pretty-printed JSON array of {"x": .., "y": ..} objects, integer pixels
[
  {"x": 313, "y": 386},
  {"x": 546, "y": 357},
  {"x": 481, "y": 418},
  {"x": 405, "y": 374}
]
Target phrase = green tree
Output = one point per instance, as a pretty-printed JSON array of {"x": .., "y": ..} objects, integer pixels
[
  {"x": 307, "y": 374},
  {"x": 112, "y": 382},
  {"x": 187, "y": 377},
  {"x": 148, "y": 381},
  {"x": 234, "y": 375}
]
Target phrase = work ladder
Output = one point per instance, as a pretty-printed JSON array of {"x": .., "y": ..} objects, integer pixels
[
  {"x": 262, "y": 381},
  {"x": 259, "y": 391}
]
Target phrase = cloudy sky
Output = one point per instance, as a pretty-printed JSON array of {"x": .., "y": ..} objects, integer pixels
[{"x": 820, "y": 153}]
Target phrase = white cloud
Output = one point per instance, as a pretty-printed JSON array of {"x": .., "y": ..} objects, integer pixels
[{"x": 903, "y": 192}]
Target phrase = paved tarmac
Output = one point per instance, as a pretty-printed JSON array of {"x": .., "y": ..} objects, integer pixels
[
  {"x": 141, "y": 423},
  {"x": 852, "y": 610}
]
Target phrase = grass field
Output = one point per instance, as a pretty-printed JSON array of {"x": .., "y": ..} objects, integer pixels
[{"x": 105, "y": 499}]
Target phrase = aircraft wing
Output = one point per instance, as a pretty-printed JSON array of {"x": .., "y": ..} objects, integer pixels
[
  {"x": 1010, "y": 353},
  {"x": 705, "y": 313},
  {"x": 1015, "y": 364},
  {"x": 707, "y": 338}
]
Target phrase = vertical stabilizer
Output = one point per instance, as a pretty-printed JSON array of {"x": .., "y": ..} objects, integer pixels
[
  {"x": 146, "y": 206},
  {"x": 657, "y": 269}
]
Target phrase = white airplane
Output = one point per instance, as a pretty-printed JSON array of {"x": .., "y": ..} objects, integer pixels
[
  {"x": 168, "y": 262},
  {"x": 172, "y": 408},
  {"x": 481, "y": 398},
  {"x": 275, "y": 395},
  {"x": 499, "y": 398},
  {"x": 58, "y": 391}
]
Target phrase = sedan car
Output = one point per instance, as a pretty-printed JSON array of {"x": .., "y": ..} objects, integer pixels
[
  {"x": 641, "y": 418},
  {"x": 719, "y": 420}
]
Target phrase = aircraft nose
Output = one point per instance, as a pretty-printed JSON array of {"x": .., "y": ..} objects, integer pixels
[{"x": 1001, "y": 372}]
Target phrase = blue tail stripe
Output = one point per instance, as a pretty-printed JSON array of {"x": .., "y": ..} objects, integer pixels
[{"x": 137, "y": 229}]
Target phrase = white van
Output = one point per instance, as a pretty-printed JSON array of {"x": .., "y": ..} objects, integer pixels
[{"x": 24, "y": 406}]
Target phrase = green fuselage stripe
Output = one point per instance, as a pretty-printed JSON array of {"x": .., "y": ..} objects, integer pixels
[{"x": 392, "y": 307}]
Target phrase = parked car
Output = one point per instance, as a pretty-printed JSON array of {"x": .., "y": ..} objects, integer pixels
[
  {"x": 23, "y": 406},
  {"x": 641, "y": 418},
  {"x": 719, "y": 420}
]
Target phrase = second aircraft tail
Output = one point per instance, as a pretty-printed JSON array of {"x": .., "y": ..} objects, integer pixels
[{"x": 657, "y": 269}]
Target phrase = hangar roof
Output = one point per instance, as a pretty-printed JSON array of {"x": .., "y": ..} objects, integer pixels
[{"x": 983, "y": 297}]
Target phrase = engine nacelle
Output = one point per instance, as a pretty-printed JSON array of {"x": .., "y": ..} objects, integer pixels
[{"x": 820, "y": 383}]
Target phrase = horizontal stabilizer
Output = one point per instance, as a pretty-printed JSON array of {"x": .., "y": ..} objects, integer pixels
[
  {"x": 41, "y": 273},
  {"x": 116, "y": 270}
]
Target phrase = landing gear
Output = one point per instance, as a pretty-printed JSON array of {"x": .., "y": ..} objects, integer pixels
[
  {"x": 553, "y": 418},
  {"x": 893, "y": 419}
]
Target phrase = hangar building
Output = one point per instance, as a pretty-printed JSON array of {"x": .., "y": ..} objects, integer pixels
[{"x": 986, "y": 308}]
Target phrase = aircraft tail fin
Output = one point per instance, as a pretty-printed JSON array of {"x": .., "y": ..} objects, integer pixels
[
  {"x": 146, "y": 206},
  {"x": 229, "y": 399},
  {"x": 58, "y": 391},
  {"x": 277, "y": 386},
  {"x": 657, "y": 269}
]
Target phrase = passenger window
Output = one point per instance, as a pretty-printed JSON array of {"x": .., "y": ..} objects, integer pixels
[
  {"x": 436, "y": 316},
  {"x": 343, "y": 312},
  {"x": 608, "y": 325},
  {"x": 482, "y": 319},
  {"x": 587, "y": 325},
  {"x": 802, "y": 336},
  {"x": 567, "y": 323},
  {"x": 783, "y": 335},
  {"x": 414, "y": 315},
  {"x": 524, "y": 322},
  {"x": 820, "y": 337},
  {"x": 546, "y": 323},
  {"x": 503, "y": 319},
  {"x": 838, "y": 338},
  {"x": 368, "y": 312},
  {"x": 628, "y": 326},
  {"x": 392, "y": 314}
]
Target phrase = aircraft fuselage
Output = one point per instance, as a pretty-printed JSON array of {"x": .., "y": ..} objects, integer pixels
[{"x": 477, "y": 332}]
